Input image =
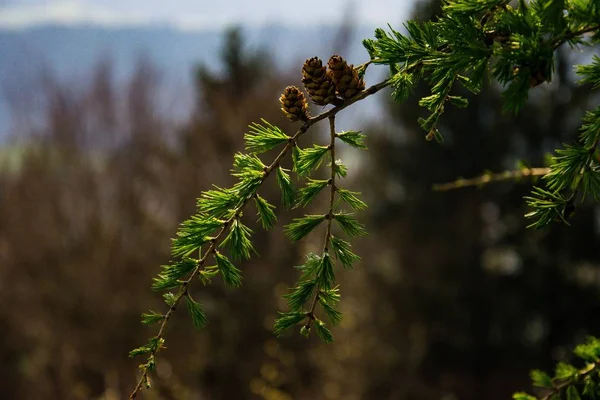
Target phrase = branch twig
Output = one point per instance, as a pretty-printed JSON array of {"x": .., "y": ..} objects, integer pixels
[
  {"x": 487, "y": 178},
  {"x": 184, "y": 287},
  {"x": 311, "y": 313},
  {"x": 580, "y": 377},
  {"x": 559, "y": 41}
]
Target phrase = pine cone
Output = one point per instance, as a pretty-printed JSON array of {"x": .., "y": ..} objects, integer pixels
[
  {"x": 317, "y": 82},
  {"x": 344, "y": 77},
  {"x": 294, "y": 104}
]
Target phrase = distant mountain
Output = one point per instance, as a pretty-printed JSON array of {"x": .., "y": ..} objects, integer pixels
[{"x": 71, "y": 52}]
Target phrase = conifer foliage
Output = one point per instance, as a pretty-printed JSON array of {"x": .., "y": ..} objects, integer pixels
[
  {"x": 472, "y": 42},
  {"x": 212, "y": 241}
]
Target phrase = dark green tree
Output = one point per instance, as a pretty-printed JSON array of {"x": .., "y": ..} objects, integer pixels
[{"x": 491, "y": 297}]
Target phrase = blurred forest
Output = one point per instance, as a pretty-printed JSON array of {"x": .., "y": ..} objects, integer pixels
[{"x": 454, "y": 298}]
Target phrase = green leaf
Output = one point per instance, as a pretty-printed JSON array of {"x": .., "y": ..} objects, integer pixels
[
  {"x": 469, "y": 6},
  {"x": 169, "y": 298},
  {"x": 334, "y": 315},
  {"x": 331, "y": 296},
  {"x": 266, "y": 215},
  {"x": 245, "y": 189},
  {"x": 590, "y": 73},
  {"x": 264, "y": 137},
  {"x": 170, "y": 274},
  {"x": 325, "y": 272},
  {"x": 541, "y": 379},
  {"x": 551, "y": 14},
  {"x": 301, "y": 227},
  {"x": 340, "y": 169},
  {"x": 567, "y": 167},
  {"x": 230, "y": 274},
  {"x": 305, "y": 331},
  {"x": 343, "y": 252},
  {"x": 437, "y": 135},
  {"x": 196, "y": 312},
  {"x": 149, "y": 366},
  {"x": 349, "y": 224},
  {"x": 238, "y": 241},
  {"x": 352, "y": 199},
  {"x": 590, "y": 350},
  {"x": 458, "y": 101},
  {"x": 145, "y": 349},
  {"x": 352, "y": 138},
  {"x": 154, "y": 344},
  {"x": 432, "y": 102},
  {"x": 309, "y": 159},
  {"x": 428, "y": 125},
  {"x": 368, "y": 44},
  {"x": 590, "y": 129},
  {"x": 193, "y": 233},
  {"x": 590, "y": 389},
  {"x": 151, "y": 318},
  {"x": 547, "y": 207},
  {"x": 219, "y": 203},
  {"x": 308, "y": 193},
  {"x": 565, "y": 371},
  {"x": 288, "y": 192},
  {"x": 516, "y": 94},
  {"x": 162, "y": 283},
  {"x": 247, "y": 166},
  {"x": 208, "y": 273},
  {"x": 300, "y": 294},
  {"x": 573, "y": 393},
  {"x": 474, "y": 82},
  {"x": 287, "y": 320},
  {"x": 295, "y": 155},
  {"x": 403, "y": 84},
  {"x": 322, "y": 331},
  {"x": 523, "y": 396},
  {"x": 590, "y": 185},
  {"x": 310, "y": 267}
]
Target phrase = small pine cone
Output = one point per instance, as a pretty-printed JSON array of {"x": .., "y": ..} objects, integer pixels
[
  {"x": 317, "y": 82},
  {"x": 294, "y": 104},
  {"x": 345, "y": 77}
]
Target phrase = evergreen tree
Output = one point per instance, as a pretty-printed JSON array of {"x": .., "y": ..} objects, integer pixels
[{"x": 490, "y": 296}]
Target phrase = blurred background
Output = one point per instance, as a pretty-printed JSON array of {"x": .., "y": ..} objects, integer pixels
[{"x": 113, "y": 119}]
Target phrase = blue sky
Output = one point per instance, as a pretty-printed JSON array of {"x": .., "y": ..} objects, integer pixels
[{"x": 198, "y": 14}]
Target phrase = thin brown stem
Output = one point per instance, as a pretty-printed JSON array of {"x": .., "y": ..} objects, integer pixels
[
  {"x": 311, "y": 313},
  {"x": 591, "y": 368},
  {"x": 184, "y": 287},
  {"x": 488, "y": 178},
  {"x": 332, "y": 182},
  {"x": 559, "y": 41}
]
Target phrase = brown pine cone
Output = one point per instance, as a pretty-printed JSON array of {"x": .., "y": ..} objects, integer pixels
[
  {"x": 294, "y": 104},
  {"x": 345, "y": 77},
  {"x": 317, "y": 82}
]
